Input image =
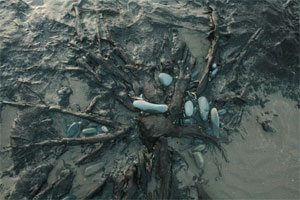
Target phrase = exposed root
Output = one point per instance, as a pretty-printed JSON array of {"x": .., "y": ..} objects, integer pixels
[{"x": 89, "y": 156}]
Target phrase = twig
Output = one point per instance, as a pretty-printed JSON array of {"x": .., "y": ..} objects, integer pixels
[
  {"x": 85, "y": 65},
  {"x": 92, "y": 104},
  {"x": 82, "y": 159}
]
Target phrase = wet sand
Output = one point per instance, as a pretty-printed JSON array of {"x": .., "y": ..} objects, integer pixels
[{"x": 262, "y": 165}]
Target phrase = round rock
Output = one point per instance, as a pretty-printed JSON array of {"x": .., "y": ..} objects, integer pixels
[
  {"x": 188, "y": 108},
  {"x": 165, "y": 79}
]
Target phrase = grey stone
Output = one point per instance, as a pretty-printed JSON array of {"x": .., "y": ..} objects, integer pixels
[
  {"x": 89, "y": 131},
  {"x": 215, "y": 121},
  {"x": 204, "y": 107},
  {"x": 188, "y": 108},
  {"x": 165, "y": 79},
  {"x": 73, "y": 130},
  {"x": 199, "y": 160}
]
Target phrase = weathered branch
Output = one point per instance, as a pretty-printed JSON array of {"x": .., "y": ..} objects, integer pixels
[
  {"x": 84, "y": 158},
  {"x": 215, "y": 37},
  {"x": 97, "y": 119},
  {"x": 78, "y": 141},
  {"x": 92, "y": 104}
]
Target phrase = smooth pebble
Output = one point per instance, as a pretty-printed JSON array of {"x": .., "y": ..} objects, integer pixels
[
  {"x": 150, "y": 107},
  {"x": 188, "y": 108},
  {"x": 204, "y": 107},
  {"x": 215, "y": 121},
  {"x": 165, "y": 79},
  {"x": 199, "y": 160},
  {"x": 89, "y": 131},
  {"x": 104, "y": 129},
  {"x": 73, "y": 130},
  {"x": 214, "y": 72}
]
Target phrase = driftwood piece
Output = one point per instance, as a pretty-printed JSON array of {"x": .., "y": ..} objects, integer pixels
[
  {"x": 78, "y": 141},
  {"x": 175, "y": 106},
  {"x": 92, "y": 104},
  {"x": 214, "y": 36},
  {"x": 97, "y": 119},
  {"x": 85, "y": 158}
]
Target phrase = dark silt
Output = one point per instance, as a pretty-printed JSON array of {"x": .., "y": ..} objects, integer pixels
[{"x": 70, "y": 71}]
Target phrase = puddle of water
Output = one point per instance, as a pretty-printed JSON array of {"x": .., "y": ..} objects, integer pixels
[{"x": 262, "y": 165}]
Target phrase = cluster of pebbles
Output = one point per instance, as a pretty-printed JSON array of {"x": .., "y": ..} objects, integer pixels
[
  {"x": 190, "y": 111},
  {"x": 90, "y": 129}
]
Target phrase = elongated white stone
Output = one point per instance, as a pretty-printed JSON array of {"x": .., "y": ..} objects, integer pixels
[
  {"x": 199, "y": 160},
  {"x": 150, "y": 107},
  {"x": 199, "y": 148},
  {"x": 165, "y": 79},
  {"x": 215, "y": 121},
  {"x": 188, "y": 108},
  {"x": 204, "y": 107}
]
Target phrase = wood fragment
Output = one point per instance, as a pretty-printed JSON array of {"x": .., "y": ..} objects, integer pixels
[
  {"x": 214, "y": 35},
  {"x": 86, "y": 157},
  {"x": 97, "y": 119},
  {"x": 92, "y": 104}
]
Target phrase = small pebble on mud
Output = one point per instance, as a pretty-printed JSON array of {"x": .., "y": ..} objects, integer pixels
[
  {"x": 73, "y": 130},
  {"x": 204, "y": 107},
  {"x": 188, "y": 108}
]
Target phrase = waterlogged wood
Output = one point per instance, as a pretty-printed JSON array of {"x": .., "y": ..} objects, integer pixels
[
  {"x": 97, "y": 119},
  {"x": 93, "y": 154},
  {"x": 214, "y": 36},
  {"x": 78, "y": 141},
  {"x": 177, "y": 98}
]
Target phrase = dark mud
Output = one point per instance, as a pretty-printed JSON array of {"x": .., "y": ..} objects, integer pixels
[{"x": 86, "y": 61}]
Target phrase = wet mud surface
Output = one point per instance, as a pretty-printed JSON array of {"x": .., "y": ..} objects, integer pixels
[{"x": 71, "y": 70}]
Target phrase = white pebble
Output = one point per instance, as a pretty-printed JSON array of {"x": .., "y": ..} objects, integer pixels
[
  {"x": 214, "y": 117},
  {"x": 150, "y": 107},
  {"x": 204, "y": 107},
  {"x": 104, "y": 129},
  {"x": 188, "y": 108},
  {"x": 165, "y": 79}
]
